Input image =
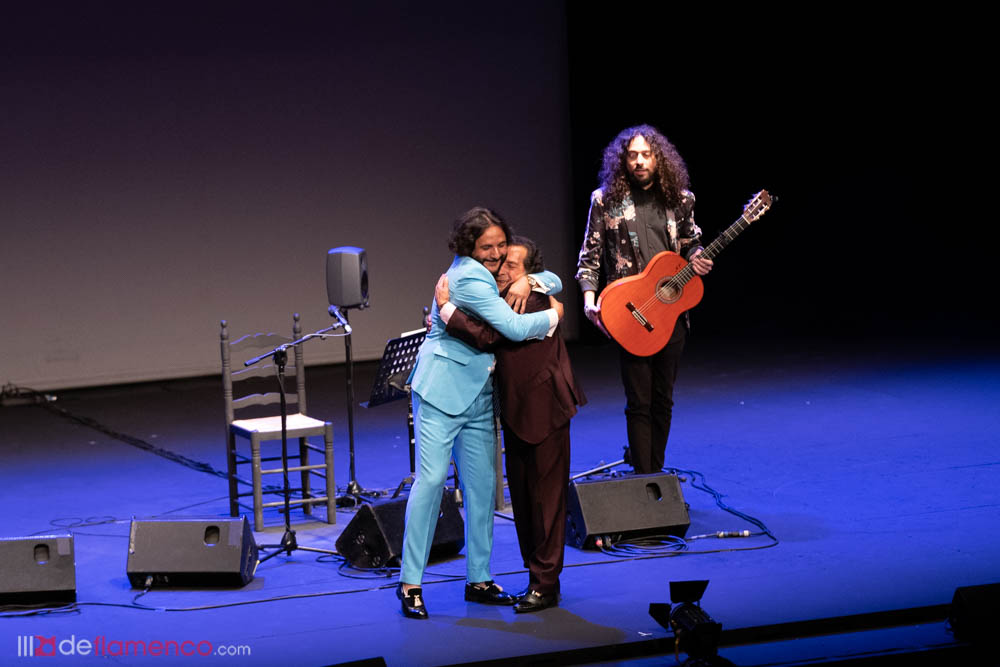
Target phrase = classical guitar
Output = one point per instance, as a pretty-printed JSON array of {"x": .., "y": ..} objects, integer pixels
[{"x": 640, "y": 311}]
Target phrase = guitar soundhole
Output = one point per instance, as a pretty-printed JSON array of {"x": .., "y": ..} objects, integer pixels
[{"x": 666, "y": 292}]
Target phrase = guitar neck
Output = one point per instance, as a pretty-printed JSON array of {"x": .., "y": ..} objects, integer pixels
[
  {"x": 716, "y": 246},
  {"x": 713, "y": 248}
]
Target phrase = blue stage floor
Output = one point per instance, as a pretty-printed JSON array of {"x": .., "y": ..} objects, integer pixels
[{"x": 876, "y": 466}]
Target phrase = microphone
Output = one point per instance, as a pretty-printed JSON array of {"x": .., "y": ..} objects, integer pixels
[{"x": 335, "y": 312}]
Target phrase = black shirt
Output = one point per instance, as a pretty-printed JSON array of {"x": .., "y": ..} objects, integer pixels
[{"x": 650, "y": 224}]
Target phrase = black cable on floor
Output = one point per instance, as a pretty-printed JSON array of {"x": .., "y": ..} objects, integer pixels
[
  {"x": 660, "y": 546},
  {"x": 46, "y": 402}
]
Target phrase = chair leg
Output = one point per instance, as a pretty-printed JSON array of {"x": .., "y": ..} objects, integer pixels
[
  {"x": 331, "y": 486},
  {"x": 234, "y": 489},
  {"x": 304, "y": 474},
  {"x": 258, "y": 495}
]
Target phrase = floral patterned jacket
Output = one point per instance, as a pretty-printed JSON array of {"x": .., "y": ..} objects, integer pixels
[{"x": 610, "y": 242}]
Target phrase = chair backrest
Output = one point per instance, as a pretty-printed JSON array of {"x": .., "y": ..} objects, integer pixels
[{"x": 238, "y": 389}]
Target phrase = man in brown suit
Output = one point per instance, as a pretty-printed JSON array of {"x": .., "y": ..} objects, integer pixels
[{"x": 538, "y": 395}]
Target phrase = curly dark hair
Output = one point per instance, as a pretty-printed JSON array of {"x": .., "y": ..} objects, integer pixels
[
  {"x": 471, "y": 225},
  {"x": 533, "y": 262},
  {"x": 671, "y": 172}
]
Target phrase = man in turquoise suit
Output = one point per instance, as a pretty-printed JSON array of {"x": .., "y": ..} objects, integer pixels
[{"x": 453, "y": 406}]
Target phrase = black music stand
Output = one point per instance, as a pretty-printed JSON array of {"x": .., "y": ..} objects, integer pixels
[{"x": 390, "y": 385}]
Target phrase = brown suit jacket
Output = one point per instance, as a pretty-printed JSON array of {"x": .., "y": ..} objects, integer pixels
[{"x": 538, "y": 390}]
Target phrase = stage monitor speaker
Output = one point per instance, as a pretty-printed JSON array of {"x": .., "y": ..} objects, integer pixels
[
  {"x": 189, "y": 552},
  {"x": 973, "y": 613},
  {"x": 37, "y": 570},
  {"x": 624, "y": 508},
  {"x": 374, "y": 537},
  {"x": 347, "y": 277}
]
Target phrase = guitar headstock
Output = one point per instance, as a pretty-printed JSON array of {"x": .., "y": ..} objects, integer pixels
[{"x": 757, "y": 205}]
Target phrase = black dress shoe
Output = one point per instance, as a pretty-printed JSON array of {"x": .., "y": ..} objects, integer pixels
[
  {"x": 489, "y": 594},
  {"x": 535, "y": 601},
  {"x": 412, "y": 601},
  {"x": 524, "y": 591}
]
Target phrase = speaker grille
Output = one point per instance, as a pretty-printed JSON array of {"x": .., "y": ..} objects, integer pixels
[
  {"x": 347, "y": 277},
  {"x": 191, "y": 552},
  {"x": 374, "y": 537},
  {"x": 625, "y": 507},
  {"x": 37, "y": 570}
]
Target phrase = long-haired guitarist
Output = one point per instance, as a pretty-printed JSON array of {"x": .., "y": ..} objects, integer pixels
[{"x": 642, "y": 207}]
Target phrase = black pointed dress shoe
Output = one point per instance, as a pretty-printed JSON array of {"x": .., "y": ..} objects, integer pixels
[
  {"x": 488, "y": 593},
  {"x": 412, "y": 601},
  {"x": 535, "y": 601}
]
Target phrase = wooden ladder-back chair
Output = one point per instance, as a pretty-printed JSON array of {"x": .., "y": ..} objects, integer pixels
[{"x": 244, "y": 394}]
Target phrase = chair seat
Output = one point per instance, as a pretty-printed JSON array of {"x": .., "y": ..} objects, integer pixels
[{"x": 263, "y": 425}]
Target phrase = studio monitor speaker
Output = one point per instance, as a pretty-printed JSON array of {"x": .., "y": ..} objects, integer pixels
[
  {"x": 347, "y": 277},
  {"x": 625, "y": 507},
  {"x": 191, "y": 552},
  {"x": 374, "y": 537},
  {"x": 37, "y": 570}
]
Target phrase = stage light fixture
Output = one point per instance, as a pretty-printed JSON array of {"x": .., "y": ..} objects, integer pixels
[{"x": 695, "y": 632}]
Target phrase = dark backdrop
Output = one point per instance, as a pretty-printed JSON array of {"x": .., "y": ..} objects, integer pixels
[
  {"x": 165, "y": 165},
  {"x": 867, "y": 127}
]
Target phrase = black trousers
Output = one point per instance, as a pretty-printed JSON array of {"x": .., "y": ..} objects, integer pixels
[
  {"x": 538, "y": 477},
  {"x": 649, "y": 400}
]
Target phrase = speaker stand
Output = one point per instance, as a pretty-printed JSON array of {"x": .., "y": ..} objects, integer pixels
[{"x": 354, "y": 493}]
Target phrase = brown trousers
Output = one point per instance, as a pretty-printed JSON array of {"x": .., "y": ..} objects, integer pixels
[{"x": 538, "y": 478}]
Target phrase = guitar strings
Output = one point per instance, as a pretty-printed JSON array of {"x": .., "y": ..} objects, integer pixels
[
  {"x": 674, "y": 283},
  {"x": 710, "y": 251}
]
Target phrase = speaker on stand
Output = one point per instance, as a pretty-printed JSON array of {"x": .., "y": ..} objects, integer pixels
[{"x": 346, "y": 288}]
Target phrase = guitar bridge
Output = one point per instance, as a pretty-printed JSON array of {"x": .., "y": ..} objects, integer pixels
[{"x": 638, "y": 316}]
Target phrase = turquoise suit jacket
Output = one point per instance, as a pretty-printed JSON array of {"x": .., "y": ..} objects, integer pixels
[{"x": 449, "y": 374}]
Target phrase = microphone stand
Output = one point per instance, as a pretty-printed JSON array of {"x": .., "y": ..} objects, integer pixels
[
  {"x": 287, "y": 543},
  {"x": 594, "y": 471}
]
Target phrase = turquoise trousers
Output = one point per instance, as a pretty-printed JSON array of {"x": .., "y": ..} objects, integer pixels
[{"x": 470, "y": 436}]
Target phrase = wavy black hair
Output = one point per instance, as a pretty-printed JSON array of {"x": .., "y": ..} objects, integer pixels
[
  {"x": 671, "y": 173},
  {"x": 471, "y": 225}
]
